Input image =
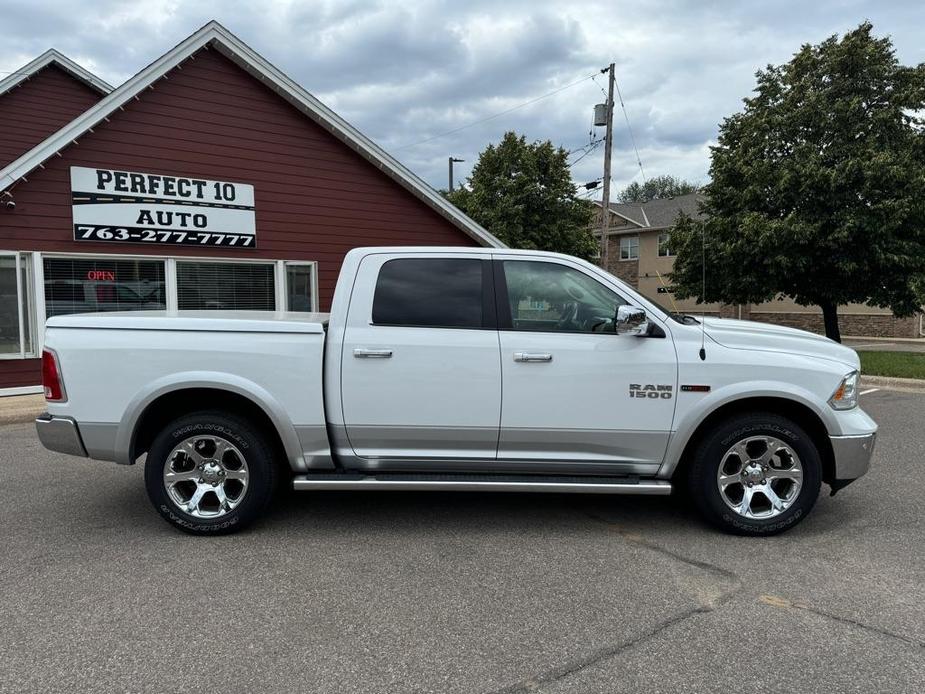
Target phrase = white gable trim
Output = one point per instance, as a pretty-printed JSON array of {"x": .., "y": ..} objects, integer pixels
[
  {"x": 51, "y": 56},
  {"x": 216, "y": 36}
]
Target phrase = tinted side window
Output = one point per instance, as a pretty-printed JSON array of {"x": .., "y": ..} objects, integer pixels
[
  {"x": 433, "y": 292},
  {"x": 549, "y": 297}
]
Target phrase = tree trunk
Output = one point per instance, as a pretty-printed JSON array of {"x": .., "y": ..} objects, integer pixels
[{"x": 830, "y": 318}]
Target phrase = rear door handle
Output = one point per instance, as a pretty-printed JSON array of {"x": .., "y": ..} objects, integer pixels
[
  {"x": 532, "y": 356},
  {"x": 361, "y": 353}
]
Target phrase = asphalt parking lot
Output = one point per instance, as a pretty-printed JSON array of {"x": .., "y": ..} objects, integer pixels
[{"x": 345, "y": 592}]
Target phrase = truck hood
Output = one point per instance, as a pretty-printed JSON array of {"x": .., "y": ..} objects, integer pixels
[{"x": 743, "y": 334}]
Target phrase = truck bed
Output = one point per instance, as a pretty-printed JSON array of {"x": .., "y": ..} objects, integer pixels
[{"x": 121, "y": 362}]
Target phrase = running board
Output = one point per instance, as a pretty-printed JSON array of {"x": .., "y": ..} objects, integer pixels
[{"x": 482, "y": 483}]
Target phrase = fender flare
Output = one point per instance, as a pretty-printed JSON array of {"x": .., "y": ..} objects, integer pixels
[
  {"x": 215, "y": 380},
  {"x": 746, "y": 390}
]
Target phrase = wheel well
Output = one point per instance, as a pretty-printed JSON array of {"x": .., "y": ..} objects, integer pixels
[
  {"x": 168, "y": 407},
  {"x": 808, "y": 420}
]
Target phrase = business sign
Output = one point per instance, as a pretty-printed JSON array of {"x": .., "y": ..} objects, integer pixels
[{"x": 130, "y": 207}]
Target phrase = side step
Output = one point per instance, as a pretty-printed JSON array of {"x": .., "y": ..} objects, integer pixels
[{"x": 482, "y": 483}]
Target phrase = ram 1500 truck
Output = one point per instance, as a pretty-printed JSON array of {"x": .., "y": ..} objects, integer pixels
[{"x": 459, "y": 369}]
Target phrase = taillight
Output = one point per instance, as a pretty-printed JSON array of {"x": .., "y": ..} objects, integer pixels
[{"x": 51, "y": 377}]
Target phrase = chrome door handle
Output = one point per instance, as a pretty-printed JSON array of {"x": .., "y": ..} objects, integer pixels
[
  {"x": 361, "y": 353},
  {"x": 532, "y": 356}
]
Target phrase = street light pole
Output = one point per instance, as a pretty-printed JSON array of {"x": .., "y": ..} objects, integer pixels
[
  {"x": 608, "y": 145},
  {"x": 451, "y": 161}
]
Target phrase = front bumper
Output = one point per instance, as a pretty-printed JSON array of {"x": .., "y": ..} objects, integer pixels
[
  {"x": 60, "y": 434},
  {"x": 852, "y": 457}
]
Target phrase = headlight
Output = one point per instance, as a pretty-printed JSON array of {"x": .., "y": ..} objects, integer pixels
[{"x": 846, "y": 395}]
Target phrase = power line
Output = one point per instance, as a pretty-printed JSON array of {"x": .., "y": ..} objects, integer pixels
[
  {"x": 584, "y": 147},
  {"x": 496, "y": 115},
  {"x": 630, "y": 128},
  {"x": 591, "y": 150}
]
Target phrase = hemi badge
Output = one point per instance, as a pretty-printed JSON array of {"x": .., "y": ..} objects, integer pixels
[{"x": 695, "y": 389}]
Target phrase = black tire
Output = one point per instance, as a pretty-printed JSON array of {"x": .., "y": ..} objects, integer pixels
[
  {"x": 709, "y": 456},
  {"x": 261, "y": 471}
]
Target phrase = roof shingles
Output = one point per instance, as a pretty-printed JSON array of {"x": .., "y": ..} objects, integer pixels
[{"x": 660, "y": 213}]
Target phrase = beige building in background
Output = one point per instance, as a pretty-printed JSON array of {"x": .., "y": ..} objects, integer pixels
[{"x": 640, "y": 253}]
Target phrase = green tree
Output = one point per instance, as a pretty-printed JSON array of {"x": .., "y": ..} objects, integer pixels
[
  {"x": 657, "y": 188},
  {"x": 523, "y": 193},
  {"x": 817, "y": 187}
]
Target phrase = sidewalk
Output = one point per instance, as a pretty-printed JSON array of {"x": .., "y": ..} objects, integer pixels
[
  {"x": 21, "y": 408},
  {"x": 884, "y": 344}
]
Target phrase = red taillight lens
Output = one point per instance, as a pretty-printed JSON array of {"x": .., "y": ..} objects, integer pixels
[{"x": 51, "y": 377}]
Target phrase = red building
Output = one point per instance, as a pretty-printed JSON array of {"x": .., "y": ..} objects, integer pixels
[{"x": 209, "y": 180}]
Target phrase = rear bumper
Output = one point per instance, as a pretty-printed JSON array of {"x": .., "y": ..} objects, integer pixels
[
  {"x": 852, "y": 456},
  {"x": 60, "y": 434}
]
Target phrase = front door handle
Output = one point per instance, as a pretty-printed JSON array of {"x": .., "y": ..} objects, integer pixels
[
  {"x": 361, "y": 353},
  {"x": 532, "y": 356}
]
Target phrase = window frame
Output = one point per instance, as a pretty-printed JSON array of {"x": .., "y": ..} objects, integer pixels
[
  {"x": 489, "y": 310},
  {"x": 503, "y": 305},
  {"x": 24, "y": 304},
  {"x": 630, "y": 247},
  {"x": 667, "y": 253},
  {"x": 284, "y": 273}
]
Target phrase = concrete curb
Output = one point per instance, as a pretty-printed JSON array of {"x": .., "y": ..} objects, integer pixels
[
  {"x": 905, "y": 385},
  {"x": 17, "y": 409}
]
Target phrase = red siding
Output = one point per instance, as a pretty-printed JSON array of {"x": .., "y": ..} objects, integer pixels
[
  {"x": 38, "y": 107},
  {"x": 315, "y": 198},
  {"x": 15, "y": 373}
]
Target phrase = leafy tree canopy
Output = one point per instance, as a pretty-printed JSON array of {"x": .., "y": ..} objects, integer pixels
[
  {"x": 818, "y": 186},
  {"x": 657, "y": 188},
  {"x": 523, "y": 193}
]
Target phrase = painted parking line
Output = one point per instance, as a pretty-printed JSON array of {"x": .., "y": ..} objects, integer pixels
[{"x": 869, "y": 390}]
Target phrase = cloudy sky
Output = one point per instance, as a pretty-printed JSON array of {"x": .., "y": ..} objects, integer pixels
[{"x": 407, "y": 73}]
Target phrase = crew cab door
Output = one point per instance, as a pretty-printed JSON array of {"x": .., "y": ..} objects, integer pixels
[
  {"x": 571, "y": 384},
  {"x": 420, "y": 368}
]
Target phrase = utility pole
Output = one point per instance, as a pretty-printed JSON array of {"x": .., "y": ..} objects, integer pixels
[
  {"x": 608, "y": 145},
  {"x": 451, "y": 161}
]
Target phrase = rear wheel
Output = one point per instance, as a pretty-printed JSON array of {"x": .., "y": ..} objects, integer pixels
[
  {"x": 209, "y": 473},
  {"x": 755, "y": 474}
]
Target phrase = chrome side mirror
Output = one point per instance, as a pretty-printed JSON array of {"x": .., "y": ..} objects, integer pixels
[{"x": 631, "y": 320}]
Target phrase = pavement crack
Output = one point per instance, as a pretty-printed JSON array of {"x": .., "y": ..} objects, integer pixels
[
  {"x": 637, "y": 539},
  {"x": 707, "y": 603},
  {"x": 776, "y": 601},
  {"x": 570, "y": 667}
]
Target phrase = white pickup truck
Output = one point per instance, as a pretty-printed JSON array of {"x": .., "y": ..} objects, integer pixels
[{"x": 460, "y": 369}]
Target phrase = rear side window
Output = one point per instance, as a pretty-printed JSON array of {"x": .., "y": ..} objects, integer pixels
[{"x": 429, "y": 292}]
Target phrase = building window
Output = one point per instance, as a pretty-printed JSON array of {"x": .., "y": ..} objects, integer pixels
[
  {"x": 299, "y": 287},
  {"x": 89, "y": 285},
  {"x": 211, "y": 286},
  {"x": 629, "y": 247},
  {"x": 431, "y": 292},
  {"x": 664, "y": 250},
  {"x": 16, "y": 306}
]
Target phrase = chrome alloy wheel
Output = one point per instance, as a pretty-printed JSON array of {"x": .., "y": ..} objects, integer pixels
[
  {"x": 760, "y": 477},
  {"x": 205, "y": 476}
]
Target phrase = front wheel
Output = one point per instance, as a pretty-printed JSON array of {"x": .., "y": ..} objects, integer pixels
[
  {"x": 755, "y": 474},
  {"x": 209, "y": 473}
]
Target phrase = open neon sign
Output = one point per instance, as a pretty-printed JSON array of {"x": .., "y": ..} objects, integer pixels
[{"x": 101, "y": 275}]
